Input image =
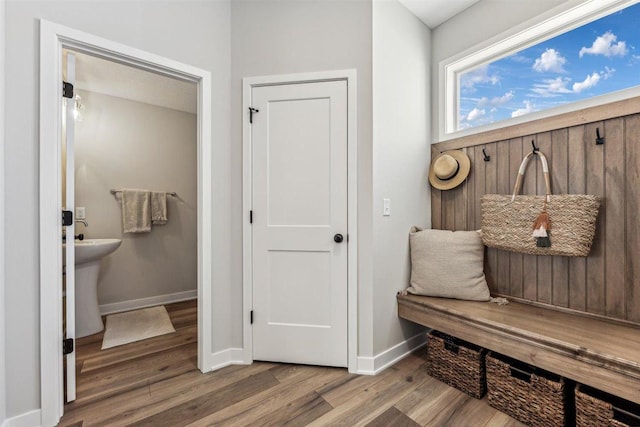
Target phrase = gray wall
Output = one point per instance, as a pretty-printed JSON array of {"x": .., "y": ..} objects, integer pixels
[
  {"x": 401, "y": 138},
  {"x": 481, "y": 22},
  {"x": 195, "y": 33},
  {"x": 127, "y": 144},
  {"x": 288, "y": 36},
  {"x": 267, "y": 38}
]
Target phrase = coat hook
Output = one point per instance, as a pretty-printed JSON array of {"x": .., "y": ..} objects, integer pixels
[
  {"x": 484, "y": 154},
  {"x": 535, "y": 149},
  {"x": 599, "y": 139}
]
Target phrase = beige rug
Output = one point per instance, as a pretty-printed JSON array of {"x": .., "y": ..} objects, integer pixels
[{"x": 123, "y": 328}]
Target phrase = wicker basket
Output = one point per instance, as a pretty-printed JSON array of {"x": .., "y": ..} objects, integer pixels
[
  {"x": 595, "y": 408},
  {"x": 457, "y": 363},
  {"x": 528, "y": 394}
]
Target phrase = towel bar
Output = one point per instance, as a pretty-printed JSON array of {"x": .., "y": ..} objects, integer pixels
[{"x": 169, "y": 193}]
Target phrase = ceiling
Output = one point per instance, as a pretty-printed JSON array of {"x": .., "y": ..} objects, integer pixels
[
  {"x": 110, "y": 78},
  {"x": 435, "y": 12}
]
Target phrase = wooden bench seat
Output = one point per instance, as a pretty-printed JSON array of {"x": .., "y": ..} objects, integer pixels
[{"x": 597, "y": 352}]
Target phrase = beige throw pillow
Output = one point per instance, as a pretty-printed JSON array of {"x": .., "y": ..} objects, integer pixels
[{"x": 447, "y": 264}]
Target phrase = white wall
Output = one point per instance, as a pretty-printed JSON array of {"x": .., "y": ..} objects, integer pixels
[
  {"x": 127, "y": 144},
  {"x": 196, "y": 34},
  {"x": 401, "y": 139},
  {"x": 476, "y": 25},
  {"x": 289, "y": 36}
]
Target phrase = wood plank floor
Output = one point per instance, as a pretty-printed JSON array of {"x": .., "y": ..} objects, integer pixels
[{"x": 155, "y": 382}]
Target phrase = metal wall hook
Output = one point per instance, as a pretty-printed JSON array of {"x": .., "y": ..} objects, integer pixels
[
  {"x": 486, "y": 158},
  {"x": 535, "y": 149},
  {"x": 251, "y": 111},
  {"x": 599, "y": 139}
]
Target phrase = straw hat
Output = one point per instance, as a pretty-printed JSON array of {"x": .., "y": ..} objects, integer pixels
[{"x": 449, "y": 169}]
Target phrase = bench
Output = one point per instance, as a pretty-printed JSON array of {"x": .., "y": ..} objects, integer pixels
[{"x": 594, "y": 351}]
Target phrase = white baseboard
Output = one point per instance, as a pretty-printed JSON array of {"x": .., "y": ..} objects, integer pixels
[
  {"x": 230, "y": 356},
  {"x": 375, "y": 365},
  {"x": 134, "y": 304},
  {"x": 28, "y": 419}
]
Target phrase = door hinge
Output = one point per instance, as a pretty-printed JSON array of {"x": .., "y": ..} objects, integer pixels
[
  {"x": 251, "y": 111},
  {"x": 67, "y": 346},
  {"x": 67, "y": 218},
  {"x": 251, "y": 317},
  {"x": 250, "y": 217},
  {"x": 67, "y": 90}
]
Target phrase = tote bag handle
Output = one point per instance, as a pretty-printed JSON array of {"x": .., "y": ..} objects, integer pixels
[{"x": 545, "y": 172}]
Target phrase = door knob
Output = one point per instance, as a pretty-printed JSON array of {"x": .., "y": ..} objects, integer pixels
[{"x": 338, "y": 238}]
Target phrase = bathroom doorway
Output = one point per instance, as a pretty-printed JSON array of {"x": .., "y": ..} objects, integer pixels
[
  {"x": 127, "y": 129},
  {"x": 103, "y": 169}
]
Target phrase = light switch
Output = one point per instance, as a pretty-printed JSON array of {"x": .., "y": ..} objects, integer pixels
[
  {"x": 80, "y": 212},
  {"x": 386, "y": 207}
]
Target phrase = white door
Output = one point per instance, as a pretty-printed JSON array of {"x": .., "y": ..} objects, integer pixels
[
  {"x": 70, "y": 320},
  {"x": 299, "y": 248}
]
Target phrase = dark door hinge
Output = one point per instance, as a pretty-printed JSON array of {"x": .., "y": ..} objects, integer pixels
[
  {"x": 251, "y": 316},
  {"x": 67, "y": 218},
  {"x": 251, "y": 111},
  {"x": 67, "y": 346},
  {"x": 250, "y": 217},
  {"x": 67, "y": 90}
]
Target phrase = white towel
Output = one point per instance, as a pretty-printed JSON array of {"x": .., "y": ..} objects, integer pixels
[
  {"x": 136, "y": 211},
  {"x": 158, "y": 207}
]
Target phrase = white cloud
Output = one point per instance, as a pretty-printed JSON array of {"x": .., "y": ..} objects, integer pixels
[
  {"x": 552, "y": 87},
  {"x": 608, "y": 72},
  {"x": 521, "y": 59},
  {"x": 606, "y": 45},
  {"x": 558, "y": 86},
  {"x": 528, "y": 108},
  {"x": 478, "y": 76},
  {"x": 499, "y": 100},
  {"x": 587, "y": 83},
  {"x": 550, "y": 60},
  {"x": 495, "y": 101},
  {"x": 475, "y": 114}
]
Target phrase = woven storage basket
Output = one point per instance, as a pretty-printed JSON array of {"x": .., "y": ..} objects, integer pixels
[
  {"x": 507, "y": 221},
  {"x": 595, "y": 408},
  {"x": 528, "y": 394},
  {"x": 457, "y": 363}
]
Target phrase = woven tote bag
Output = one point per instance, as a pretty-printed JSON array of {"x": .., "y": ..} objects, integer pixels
[{"x": 508, "y": 220}]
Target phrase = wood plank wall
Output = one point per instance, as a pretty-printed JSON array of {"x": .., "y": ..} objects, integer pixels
[{"x": 607, "y": 282}]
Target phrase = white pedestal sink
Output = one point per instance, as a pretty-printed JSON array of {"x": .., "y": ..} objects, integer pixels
[{"x": 88, "y": 254}]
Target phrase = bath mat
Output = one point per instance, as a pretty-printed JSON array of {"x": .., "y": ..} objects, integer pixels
[{"x": 124, "y": 328}]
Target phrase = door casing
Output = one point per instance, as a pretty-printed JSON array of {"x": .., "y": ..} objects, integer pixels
[
  {"x": 53, "y": 38},
  {"x": 352, "y": 202}
]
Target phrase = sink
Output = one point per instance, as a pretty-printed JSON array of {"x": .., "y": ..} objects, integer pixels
[
  {"x": 88, "y": 250},
  {"x": 88, "y": 254}
]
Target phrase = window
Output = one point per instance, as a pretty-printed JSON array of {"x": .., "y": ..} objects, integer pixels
[{"x": 532, "y": 72}]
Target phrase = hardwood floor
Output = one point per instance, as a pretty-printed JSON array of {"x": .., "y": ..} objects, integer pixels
[{"x": 155, "y": 382}]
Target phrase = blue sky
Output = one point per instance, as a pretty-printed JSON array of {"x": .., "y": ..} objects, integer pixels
[{"x": 600, "y": 57}]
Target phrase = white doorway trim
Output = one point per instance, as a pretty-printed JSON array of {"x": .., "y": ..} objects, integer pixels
[
  {"x": 3, "y": 382},
  {"x": 352, "y": 201},
  {"x": 53, "y": 38}
]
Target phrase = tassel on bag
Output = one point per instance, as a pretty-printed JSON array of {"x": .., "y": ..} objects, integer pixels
[
  {"x": 543, "y": 219},
  {"x": 541, "y": 226}
]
